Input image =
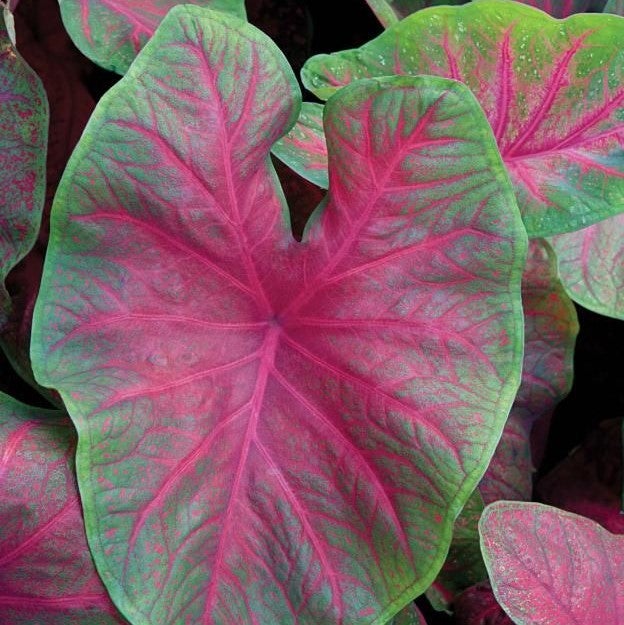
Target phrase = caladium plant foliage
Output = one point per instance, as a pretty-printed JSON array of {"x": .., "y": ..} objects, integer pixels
[
  {"x": 111, "y": 32},
  {"x": 46, "y": 572},
  {"x": 553, "y": 92},
  {"x": 274, "y": 431},
  {"x": 591, "y": 265},
  {"x": 23, "y": 133},
  {"x": 552, "y": 567}
]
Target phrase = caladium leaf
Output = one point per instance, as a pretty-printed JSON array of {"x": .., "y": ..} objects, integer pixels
[
  {"x": 274, "y": 431},
  {"x": 23, "y": 134},
  {"x": 553, "y": 92},
  {"x": 390, "y": 12},
  {"x": 552, "y": 567},
  {"x": 304, "y": 148},
  {"x": 111, "y": 32},
  {"x": 591, "y": 264},
  {"x": 615, "y": 6},
  {"x": 409, "y": 615},
  {"x": 551, "y": 327},
  {"x": 46, "y": 571}
]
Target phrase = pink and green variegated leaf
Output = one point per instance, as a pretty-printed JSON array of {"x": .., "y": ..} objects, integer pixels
[
  {"x": 591, "y": 265},
  {"x": 552, "y": 90},
  {"x": 46, "y": 570},
  {"x": 615, "y": 6},
  {"x": 560, "y": 8},
  {"x": 112, "y": 32},
  {"x": 304, "y": 148},
  {"x": 390, "y": 12},
  {"x": 463, "y": 566},
  {"x": 409, "y": 615},
  {"x": 23, "y": 135},
  {"x": 551, "y": 327},
  {"x": 550, "y": 567},
  {"x": 274, "y": 431}
]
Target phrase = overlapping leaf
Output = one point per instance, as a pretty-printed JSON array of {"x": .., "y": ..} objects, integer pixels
[
  {"x": 111, "y": 32},
  {"x": 46, "y": 571},
  {"x": 304, "y": 148},
  {"x": 591, "y": 264},
  {"x": 551, "y": 327},
  {"x": 274, "y": 431},
  {"x": 23, "y": 133},
  {"x": 409, "y": 615},
  {"x": 553, "y": 92},
  {"x": 463, "y": 566},
  {"x": 615, "y": 6},
  {"x": 552, "y": 567}
]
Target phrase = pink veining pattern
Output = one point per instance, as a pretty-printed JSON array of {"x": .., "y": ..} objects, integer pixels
[
  {"x": 591, "y": 263},
  {"x": 277, "y": 431},
  {"x": 551, "y": 327},
  {"x": 550, "y": 567},
  {"x": 112, "y": 32},
  {"x": 46, "y": 571},
  {"x": 23, "y": 133},
  {"x": 552, "y": 90}
]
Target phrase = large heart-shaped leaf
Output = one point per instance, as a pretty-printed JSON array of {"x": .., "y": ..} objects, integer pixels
[
  {"x": 550, "y": 567},
  {"x": 46, "y": 571},
  {"x": 591, "y": 264},
  {"x": 23, "y": 134},
  {"x": 111, "y": 32},
  {"x": 553, "y": 92},
  {"x": 274, "y": 431},
  {"x": 550, "y": 333}
]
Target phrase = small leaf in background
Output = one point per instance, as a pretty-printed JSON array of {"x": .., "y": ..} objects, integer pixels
[
  {"x": 390, "y": 12},
  {"x": 463, "y": 566},
  {"x": 111, "y": 34},
  {"x": 615, "y": 6},
  {"x": 64, "y": 72},
  {"x": 304, "y": 148},
  {"x": 409, "y": 615},
  {"x": 550, "y": 567},
  {"x": 564, "y": 8},
  {"x": 550, "y": 332},
  {"x": 589, "y": 480},
  {"x": 23, "y": 135},
  {"x": 552, "y": 90},
  {"x": 274, "y": 431},
  {"x": 46, "y": 571},
  {"x": 478, "y": 606},
  {"x": 591, "y": 265}
]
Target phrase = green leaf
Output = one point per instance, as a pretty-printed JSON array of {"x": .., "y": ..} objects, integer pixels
[
  {"x": 112, "y": 32},
  {"x": 552, "y": 90},
  {"x": 23, "y": 144},
  {"x": 274, "y": 431},
  {"x": 303, "y": 147},
  {"x": 591, "y": 266},
  {"x": 47, "y": 576}
]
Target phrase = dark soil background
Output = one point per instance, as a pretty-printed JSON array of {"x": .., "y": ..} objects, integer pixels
[{"x": 301, "y": 29}]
